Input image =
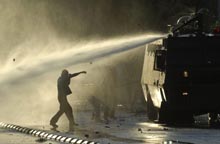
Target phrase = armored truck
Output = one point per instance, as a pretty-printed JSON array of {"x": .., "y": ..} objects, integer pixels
[{"x": 181, "y": 73}]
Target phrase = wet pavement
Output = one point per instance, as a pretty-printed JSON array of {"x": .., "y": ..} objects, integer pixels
[{"x": 126, "y": 128}]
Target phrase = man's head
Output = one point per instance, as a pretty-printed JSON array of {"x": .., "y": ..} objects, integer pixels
[{"x": 64, "y": 73}]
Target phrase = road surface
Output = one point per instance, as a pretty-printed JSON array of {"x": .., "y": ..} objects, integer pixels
[{"x": 127, "y": 128}]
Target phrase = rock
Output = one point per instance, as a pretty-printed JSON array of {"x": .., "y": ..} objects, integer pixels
[
  {"x": 86, "y": 135},
  {"x": 41, "y": 140},
  {"x": 140, "y": 130},
  {"x": 166, "y": 129}
]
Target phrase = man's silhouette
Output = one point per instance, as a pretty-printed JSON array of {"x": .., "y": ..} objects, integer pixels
[{"x": 64, "y": 90}]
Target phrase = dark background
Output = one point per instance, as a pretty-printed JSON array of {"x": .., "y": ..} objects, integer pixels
[
  {"x": 86, "y": 18},
  {"x": 114, "y": 17},
  {"x": 73, "y": 20}
]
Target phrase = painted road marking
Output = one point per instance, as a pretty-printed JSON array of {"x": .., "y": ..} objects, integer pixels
[{"x": 42, "y": 134}]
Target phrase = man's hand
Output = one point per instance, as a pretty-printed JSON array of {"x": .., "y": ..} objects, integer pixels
[
  {"x": 76, "y": 74},
  {"x": 84, "y": 72}
]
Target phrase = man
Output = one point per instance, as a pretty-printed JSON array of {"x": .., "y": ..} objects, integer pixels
[
  {"x": 64, "y": 90},
  {"x": 96, "y": 104}
]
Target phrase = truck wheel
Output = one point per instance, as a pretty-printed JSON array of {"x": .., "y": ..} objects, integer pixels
[
  {"x": 164, "y": 114},
  {"x": 173, "y": 116}
]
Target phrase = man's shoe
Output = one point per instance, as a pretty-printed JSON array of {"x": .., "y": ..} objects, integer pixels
[{"x": 54, "y": 125}]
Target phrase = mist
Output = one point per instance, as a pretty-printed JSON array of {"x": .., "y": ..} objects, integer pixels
[
  {"x": 40, "y": 38},
  {"x": 28, "y": 85}
]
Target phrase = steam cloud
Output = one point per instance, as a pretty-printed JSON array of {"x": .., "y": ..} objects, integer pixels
[{"x": 40, "y": 38}]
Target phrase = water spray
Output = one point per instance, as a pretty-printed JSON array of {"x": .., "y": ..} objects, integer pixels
[{"x": 73, "y": 56}]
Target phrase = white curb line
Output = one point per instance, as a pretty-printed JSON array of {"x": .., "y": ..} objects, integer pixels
[{"x": 45, "y": 135}]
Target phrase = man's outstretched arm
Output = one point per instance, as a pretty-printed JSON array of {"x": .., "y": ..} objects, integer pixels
[{"x": 76, "y": 74}]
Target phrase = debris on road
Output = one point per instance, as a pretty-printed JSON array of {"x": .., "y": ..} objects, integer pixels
[{"x": 41, "y": 140}]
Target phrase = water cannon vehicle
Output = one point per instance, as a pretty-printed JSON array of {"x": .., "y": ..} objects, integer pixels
[{"x": 181, "y": 73}]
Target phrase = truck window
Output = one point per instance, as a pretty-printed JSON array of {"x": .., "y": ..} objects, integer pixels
[{"x": 159, "y": 63}]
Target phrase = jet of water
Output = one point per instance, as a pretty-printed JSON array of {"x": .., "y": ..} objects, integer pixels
[{"x": 73, "y": 56}]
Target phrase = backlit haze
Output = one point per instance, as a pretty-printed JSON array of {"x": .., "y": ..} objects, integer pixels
[{"x": 34, "y": 50}]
